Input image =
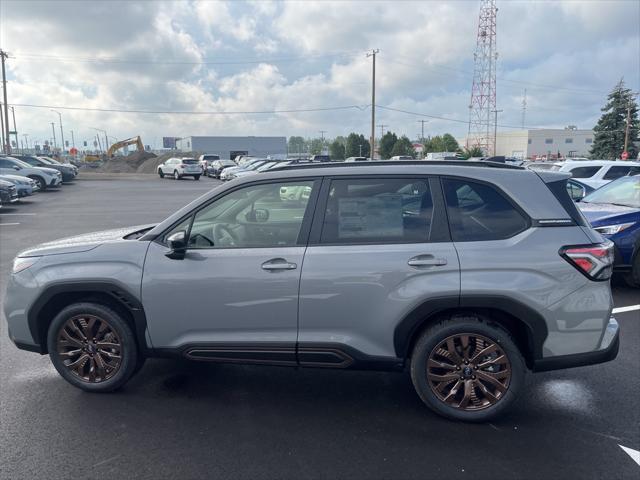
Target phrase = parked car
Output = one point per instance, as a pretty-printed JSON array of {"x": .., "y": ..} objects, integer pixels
[
  {"x": 377, "y": 266},
  {"x": 227, "y": 173},
  {"x": 578, "y": 190},
  {"x": 597, "y": 173},
  {"x": 242, "y": 160},
  {"x": 321, "y": 158},
  {"x": 68, "y": 172},
  {"x": 44, "y": 177},
  {"x": 54, "y": 161},
  {"x": 205, "y": 161},
  {"x": 217, "y": 166},
  {"x": 539, "y": 165},
  {"x": 614, "y": 211},
  {"x": 250, "y": 169},
  {"x": 24, "y": 185},
  {"x": 8, "y": 192},
  {"x": 180, "y": 167},
  {"x": 357, "y": 159},
  {"x": 401, "y": 157}
]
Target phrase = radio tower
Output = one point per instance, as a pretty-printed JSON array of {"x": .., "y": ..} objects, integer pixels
[{"x": 483, "y": 92}]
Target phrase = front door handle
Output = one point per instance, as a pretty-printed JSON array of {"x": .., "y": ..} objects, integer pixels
[
  {"x": 278, "y": 264},
  {"x": 426, "y": 261}
]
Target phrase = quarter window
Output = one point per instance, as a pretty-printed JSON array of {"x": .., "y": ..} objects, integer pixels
[
  {"x": 568, "y": 140},
  {"x": 479, "y": 212},
  {"x": 381, "y": 210},
  {"x": 584, "y": 172},
  {"x": 548, "y": 141}
]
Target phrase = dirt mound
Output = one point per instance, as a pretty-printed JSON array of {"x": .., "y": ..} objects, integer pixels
[
  {"x": 151, "y": 164},
  {"x": 128, "y": 164}
]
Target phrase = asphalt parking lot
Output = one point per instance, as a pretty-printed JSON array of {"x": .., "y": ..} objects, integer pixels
[{"x": 192, "y": 420}]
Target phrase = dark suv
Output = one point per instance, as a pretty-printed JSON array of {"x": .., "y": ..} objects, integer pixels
[{"x": 466, "y": 274}]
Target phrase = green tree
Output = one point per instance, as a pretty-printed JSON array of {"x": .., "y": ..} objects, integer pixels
[
  {"x": 353, "y": 143},
  {"x": 387, "y": 142},
  {"x": 472, "y": 152},
  {"x": 336, "y": 150},
  {"x": 450, "y": 143},
  {"x": 316, "y": 145},
  {"x": 403, "y": 146},
  {"x": 609, "y": 136},
  {"x": 297, "y": 145}
]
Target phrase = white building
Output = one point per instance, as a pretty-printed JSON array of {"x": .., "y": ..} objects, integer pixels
[
  {"x": 548, "y": 143},
  {"x": 230, "y": 147}
]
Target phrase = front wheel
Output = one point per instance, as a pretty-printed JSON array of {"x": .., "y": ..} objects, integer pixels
[
  {"x": 467, "y": 368},
  {"x": 176, "y": 175},
  {"x": 92, "y": 347},
  {"x": 632, "y": 278},
  {"x": 161, "y": 173},
  {"x": 196, "y": 177},
  {"x": 42, "y": 185}
]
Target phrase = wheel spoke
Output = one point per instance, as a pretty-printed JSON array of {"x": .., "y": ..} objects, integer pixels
[
  {"x": 70, "y": 353},
  {"x": 464, "y": 341},
  {"x": 452, "y": 392},
  {"x": 103, "y": 345},
  {"x": 442, "y": 378},
  {"x": 492, "y": 381},
  {"x": 69, "y": 339},
  {"x": 451, "y": 347},
  {"x": 100, "y": 365},
  {"x": 436, "y": 364},
  {"x": 486, "y": 351},
  {"x": 88, "y": 328},
  {"x": 468, "y": 388},
  {"x": 500, "y": 360},
  {"x": 72, "y": 324}
]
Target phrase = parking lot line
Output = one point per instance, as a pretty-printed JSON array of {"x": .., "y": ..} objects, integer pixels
[
  {"x": 628, "y": 308},
  {"x": 635, "y": 454},
  {"x": 4, "y": 224},
  {"x": 16, "y": 214}
]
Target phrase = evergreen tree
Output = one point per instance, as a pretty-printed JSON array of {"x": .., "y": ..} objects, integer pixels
[
  {"x": 297, "y": 145},
  {"x": 336, "y": 150},
  {"x": 403, "y": 146},
  {"x": 316, "y": 145},
  {"x": 472, "y": 152},
  {"x": 385, "y": 147},
  {"x": 352, "y": 147},
  {"x": 608, "y": 143}
]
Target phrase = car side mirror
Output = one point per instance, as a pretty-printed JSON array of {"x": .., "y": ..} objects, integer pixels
[
  {"x": 15, "y": 167},
  {"x": 177, "y": 244},
  {"x": 258, "y": 215}
]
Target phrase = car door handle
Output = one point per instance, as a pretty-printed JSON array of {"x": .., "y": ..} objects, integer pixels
[
  {"x": 278, "y": 264},
  {"x": 426, "y": 261}
]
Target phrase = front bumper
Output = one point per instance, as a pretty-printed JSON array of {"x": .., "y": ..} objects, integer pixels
[
  {"x": 55, "y": 181},
  {"x": 607, "y": 351}
]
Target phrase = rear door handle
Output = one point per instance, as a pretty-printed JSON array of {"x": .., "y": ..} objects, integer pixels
[
  {"x": 278, "y": 264},
  {"x": 426, "y": 261}
]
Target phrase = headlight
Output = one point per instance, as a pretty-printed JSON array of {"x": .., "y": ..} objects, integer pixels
[
  {"x": 20, "y": 264},
  {"x": 613, "y": 229}
]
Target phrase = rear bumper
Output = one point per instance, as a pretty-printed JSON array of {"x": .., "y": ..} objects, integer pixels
[{"x": 607, "y": 351}]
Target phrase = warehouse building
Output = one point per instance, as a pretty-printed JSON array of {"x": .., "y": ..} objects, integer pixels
[
  {"x": 230, "y": 147},
  {"x": 568, "y": 142}
]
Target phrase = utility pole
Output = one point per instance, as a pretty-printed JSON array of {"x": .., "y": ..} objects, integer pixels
[
  {"x": 626, "y": 130},
  {"x": 360, "y": 145},
  {"x": 495, "y": 130},
  {"x": 382, "y": 127},
  {"x": 15, "y": 129},
  {"x": 373, "y": 54},
  {"x": 7, "y": 146},
  {"x": 73, "y": 142},
  {"x": 26, "y": 140},
  {"x": 53, "y": 129},
  {"x": 61, "y": 131},
  {"x": 524, "y": 107},
  {"x": 2, "y": 126},
  {"x": 422, "y": 134}
]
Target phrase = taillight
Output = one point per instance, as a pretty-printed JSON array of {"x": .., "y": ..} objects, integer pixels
[
  {"x": 182, "y": 165},
  {"x": 594, "y": 261}
]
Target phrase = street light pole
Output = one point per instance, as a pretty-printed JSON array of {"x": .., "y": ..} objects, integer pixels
[
  {"x": 26, "y": 140},
  {"x": 73, "y": 141},
  {"x": 61, "y": 131},
  {"x": 495, "y": 131},
  {"x": 53, "y": 130}
]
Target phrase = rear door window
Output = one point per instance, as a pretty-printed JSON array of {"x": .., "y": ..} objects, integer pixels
[
  {"x": 480, "y": 212},
  {"x": 584, "y": 172},
  {"x": 617, "y": 171},
  {"x": 380, "y": 210}
]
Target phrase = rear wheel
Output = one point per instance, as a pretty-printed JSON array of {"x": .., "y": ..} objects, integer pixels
[
  {"x": 196, "y": 177},
  {"x": 161, "y": 173},
  {"x": 467, "y": 368},
  {"x": 92, "y": 347},
  {"x": 176, "y": 175},
  {"x": 633, "y": 277},
  {"x": 42, "y": 185}
]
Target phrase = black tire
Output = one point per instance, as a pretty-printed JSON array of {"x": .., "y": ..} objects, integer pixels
[
  {"x": 431, "y": 340},
  {"x": 39, "y": 181},
  {"x": 161, "y": 173},
  {"x": 119, "y": 333},
  {"x": 196, "y": 177},
  {"x": 176, "y": 175},
  {"x": 632, "y": 279}
]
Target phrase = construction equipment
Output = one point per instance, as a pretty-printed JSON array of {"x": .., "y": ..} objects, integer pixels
[{"x": 123, "y": 143}]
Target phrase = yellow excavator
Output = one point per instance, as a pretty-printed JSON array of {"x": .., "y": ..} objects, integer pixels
[{"x": 137, "y": 141}]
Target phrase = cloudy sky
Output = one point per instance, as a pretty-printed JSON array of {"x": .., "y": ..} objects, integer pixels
[{"x": 266, "y": 56}]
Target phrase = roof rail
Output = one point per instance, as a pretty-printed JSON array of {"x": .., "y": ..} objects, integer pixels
[{"x": 457, "y": 163}]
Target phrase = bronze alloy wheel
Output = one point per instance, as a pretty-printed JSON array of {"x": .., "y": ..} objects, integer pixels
[
  {"x": 468, "y": 371},
  {"x": 89, "y": 348}
]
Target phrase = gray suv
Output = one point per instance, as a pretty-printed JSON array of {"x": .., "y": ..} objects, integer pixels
[{"x": 466, "y": 274}]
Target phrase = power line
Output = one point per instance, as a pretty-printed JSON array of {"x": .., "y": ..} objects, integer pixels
[{"x": 195, "y": 112}]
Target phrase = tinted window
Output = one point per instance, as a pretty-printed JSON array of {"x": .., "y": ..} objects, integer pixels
[
  {"x": 268, "y": 215},
  {"x": 378, "y": 211},
  {"x": 480, "y": 212},
  {"x": 189, "y": 161},
  {"x": 5, "y": 163},
  {"x": 617, "y": 172},
  {"x": 584, "y": 172}
]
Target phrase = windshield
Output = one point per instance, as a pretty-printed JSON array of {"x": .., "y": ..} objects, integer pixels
[
  {"x": 266, "y": 166},
  {"x": 624, "y": 191},
  {"x": 21, "y": 163},
  {"x": 189, "y": 161},
  {"x": 255, "y": 165}
]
